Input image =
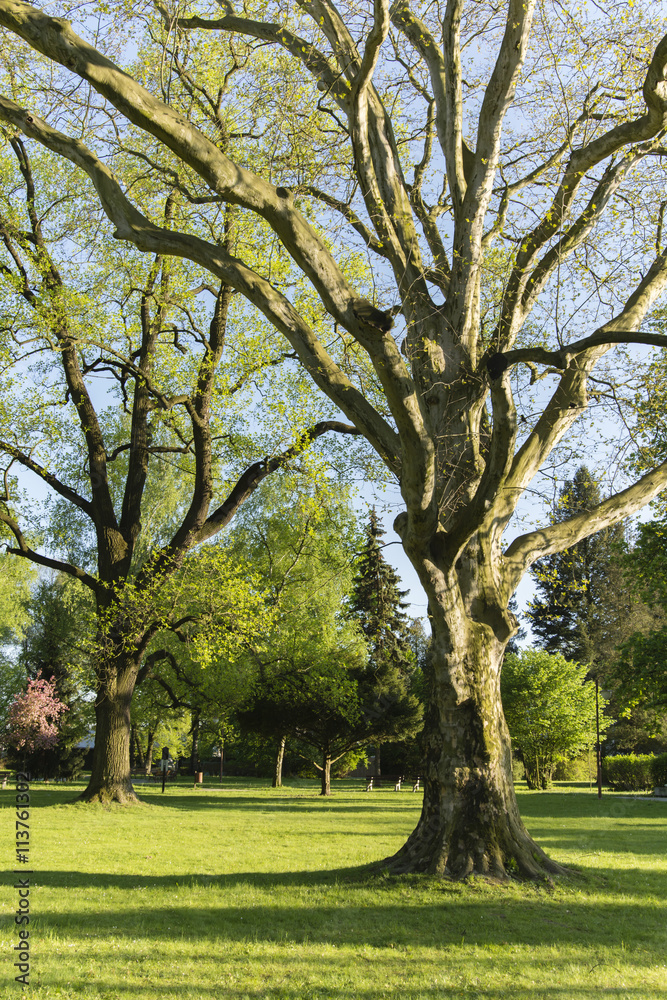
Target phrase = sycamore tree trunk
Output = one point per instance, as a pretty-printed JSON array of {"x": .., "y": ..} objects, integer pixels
[
  {"x": 470, "y": 822},
  {"x": 110, "y": 777},
  {"x": 278, "y": 768}
]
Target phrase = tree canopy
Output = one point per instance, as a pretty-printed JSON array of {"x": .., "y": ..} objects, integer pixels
[{"x": 320, "y": 679}]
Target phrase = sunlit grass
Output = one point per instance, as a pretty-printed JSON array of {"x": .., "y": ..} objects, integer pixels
[{"x": 247, "y": 892}]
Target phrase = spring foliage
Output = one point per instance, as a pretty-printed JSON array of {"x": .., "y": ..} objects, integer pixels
[{"x": 549, "y": 709}]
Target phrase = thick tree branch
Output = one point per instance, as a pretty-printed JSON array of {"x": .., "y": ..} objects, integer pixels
[
  {"x": 199, "y": 410},
  {"x": 55, "y": 38},
  {"x": 470, "y": 212},
  {"x": 377, "y": 160},
  {"x": 26, "y": 552},
  {"x": 524, "y": 550},
  {"x": 255, "y": 474},
  {"x": 137, "y": 469},
  {"x": 453, "y": 108},
  {"x": 374, "y": 41},
  {"x": 237, "y": 185},
  {"x": 65, "y": 491},
  {"x": 135, "y": 227}
]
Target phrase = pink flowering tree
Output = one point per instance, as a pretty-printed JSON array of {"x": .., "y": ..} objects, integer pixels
[{"x": 34, "y": 716}]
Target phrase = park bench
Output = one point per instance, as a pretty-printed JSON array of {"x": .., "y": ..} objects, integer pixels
[
  {"x": 396, "y": 781},
  {"x": 156, "y": 775}
]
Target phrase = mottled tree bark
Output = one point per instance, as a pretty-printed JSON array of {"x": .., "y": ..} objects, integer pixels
[{"x": 470, "y": 822}]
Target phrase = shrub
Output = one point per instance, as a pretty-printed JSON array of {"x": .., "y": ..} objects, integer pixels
[
  {"x": 628, "y": 772},
  {"x": 518, "y": 770},
  {"x": 579, "y": 769},
  {"x": 659, "y": 769}
]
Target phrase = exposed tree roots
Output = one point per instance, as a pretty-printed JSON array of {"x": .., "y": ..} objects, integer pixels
[
  {"x": 459, "y": 857},
  {"x": 121, "y": 793}
]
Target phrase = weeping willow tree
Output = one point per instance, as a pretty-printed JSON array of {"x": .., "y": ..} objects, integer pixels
[{"x": 497, "y": 169}]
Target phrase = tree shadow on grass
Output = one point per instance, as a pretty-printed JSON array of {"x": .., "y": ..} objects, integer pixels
[
  {"x": 284, "y": 803},
  {"x": 471, "y": 970},
  {"x": 378, "y": 923},
  {"x": 356, "y": 876},
  {"x": 636, "y": 838},
  {"x": 373, "y": 877},
  {"x": 546, "y": 805}
]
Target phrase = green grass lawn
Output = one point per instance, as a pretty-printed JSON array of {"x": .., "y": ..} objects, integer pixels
[{"x": 247, "y": 892}]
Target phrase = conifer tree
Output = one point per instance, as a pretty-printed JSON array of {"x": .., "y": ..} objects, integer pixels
[
  {"x": 590, "y": 612},
  {"x": 581, "y": 598},
  {"x": 378, "y": 606},
  {"x": 377, "y": 603}
]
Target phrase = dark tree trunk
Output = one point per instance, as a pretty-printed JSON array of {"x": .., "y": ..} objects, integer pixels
[
  {"x": 194, "y": 732},
  {"x": 134, "y": 760},
  {"x": 326, "y": 775},
  {"x": 470, "y": 822},
  {"x": 150, "y": 746},
  {"x": 110, "y": 778},
  {"x": 377, "y": 768},
  {"x": 138, "y": 749},
  {"x": 278, "y": 769}
]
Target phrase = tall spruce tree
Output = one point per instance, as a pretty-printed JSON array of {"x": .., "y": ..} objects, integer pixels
[
  {"x": 590, "y": 612},
  {"x": 377, "y": 605},
  {"x": 581, "y": 600}
]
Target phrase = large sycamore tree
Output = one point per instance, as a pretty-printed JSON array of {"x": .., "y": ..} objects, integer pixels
[{"x": 497, "y": 166}]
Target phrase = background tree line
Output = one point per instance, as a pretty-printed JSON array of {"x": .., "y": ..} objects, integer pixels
[
  {"x": 333, "y": 670},
  {"x": 340, "y": 675}
]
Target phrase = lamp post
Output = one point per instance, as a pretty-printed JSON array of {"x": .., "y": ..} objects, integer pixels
[
  {"x": 165, "y": 764},
  {"x": 590, "y": 676},
  {"x": 598, "y": 754}
]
